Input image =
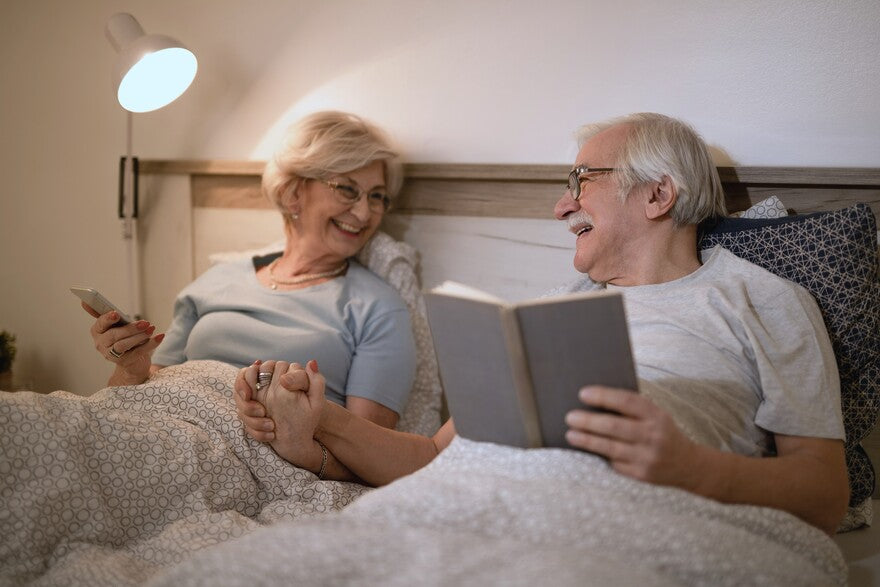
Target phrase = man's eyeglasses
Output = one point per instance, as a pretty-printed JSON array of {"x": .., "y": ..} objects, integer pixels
[
  {"x": 578, "y": 175},
  {"x": 377, "y": 200}
]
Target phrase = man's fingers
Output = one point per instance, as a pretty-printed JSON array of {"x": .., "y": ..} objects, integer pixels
[
  {"x": 258, "y": 423},
  {"x": 280, "y": 369},
  {"x": 259, "y": 435},
  {"x": 606, "y": 424},
  {"x": 610, "y": 448},
  {"x": 622, "y": 401},
  {"x": 250, "y": 409}
]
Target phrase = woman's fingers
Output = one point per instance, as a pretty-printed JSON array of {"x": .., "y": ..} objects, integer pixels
[
  {"x": 128, "y": 343},
  {"x": 94, "y": 313},
  {"x": 250, "y": 374},
  {"x": 251, "y": 412},
  {"x": 317, "y": 382},
  {"x": 295, "y": 379},
  {"x": 114, "y": 341}
]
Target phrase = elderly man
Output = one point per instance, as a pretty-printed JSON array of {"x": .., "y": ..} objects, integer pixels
[{"x": 734, "y": 363}]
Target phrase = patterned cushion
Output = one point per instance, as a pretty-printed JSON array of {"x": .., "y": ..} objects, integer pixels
[
  {"x": 772, "y": 207},
  {"x": 834, "y": 256}
]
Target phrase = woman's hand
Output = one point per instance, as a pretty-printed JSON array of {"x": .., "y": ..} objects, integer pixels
[
  {"x": 286, "y": 412},
  {"x": 251, "y": 412},
  {"x": 129, "y": 346}
]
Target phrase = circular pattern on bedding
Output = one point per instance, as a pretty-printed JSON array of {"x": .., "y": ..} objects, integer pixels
[{"x": 148, "y": 462}]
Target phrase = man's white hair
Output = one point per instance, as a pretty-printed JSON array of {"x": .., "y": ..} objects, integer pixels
[{"x": 657, "y": 146}]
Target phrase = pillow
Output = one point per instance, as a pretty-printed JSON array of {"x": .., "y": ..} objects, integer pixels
[
  {"x": 395, "y": 262},
  {"x": 769, "y": 208},
  {"x": 226, "y": 256},
  {"x": 834, "y": 256}
]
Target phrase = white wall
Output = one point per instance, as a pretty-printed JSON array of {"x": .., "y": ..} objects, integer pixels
[{"x": 790, "y": 82}]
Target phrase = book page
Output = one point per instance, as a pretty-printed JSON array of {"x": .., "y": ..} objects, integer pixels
[
  {"x": 572, "y": 341},
  {"x": 483, "y": 383},
  {"x": 460, "y": 290}
]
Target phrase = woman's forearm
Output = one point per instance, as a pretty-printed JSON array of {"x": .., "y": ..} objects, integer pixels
[{"x": 375, "y": 454}]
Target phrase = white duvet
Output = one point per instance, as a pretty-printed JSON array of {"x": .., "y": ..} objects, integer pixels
[{"x": 157, "y": 484}]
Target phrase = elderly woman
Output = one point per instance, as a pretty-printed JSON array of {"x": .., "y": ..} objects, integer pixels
[{"x": 332, "y": 181}]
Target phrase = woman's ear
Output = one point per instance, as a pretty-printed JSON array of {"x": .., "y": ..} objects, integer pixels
[
  {"x": 662, "y": 198},
  {"x": 291, "y": 196}
]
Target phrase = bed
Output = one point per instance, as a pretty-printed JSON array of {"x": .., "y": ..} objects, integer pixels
[{"x": 156, "y": 484}]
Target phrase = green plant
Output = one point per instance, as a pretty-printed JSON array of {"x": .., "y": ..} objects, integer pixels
[{"x": 7, "y": 350}]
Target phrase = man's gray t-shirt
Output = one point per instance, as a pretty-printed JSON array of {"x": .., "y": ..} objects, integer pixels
[
  {"x": 355, "y": 326},
  {"x": 733, "y": 352}
]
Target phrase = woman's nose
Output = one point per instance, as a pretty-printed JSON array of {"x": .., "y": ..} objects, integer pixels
[{"x": 361, "y": 209}]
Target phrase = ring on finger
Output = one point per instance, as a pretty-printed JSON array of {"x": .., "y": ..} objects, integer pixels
[
  {"x": 263, "y": 379},
  {"x": 114, "y": 353}
]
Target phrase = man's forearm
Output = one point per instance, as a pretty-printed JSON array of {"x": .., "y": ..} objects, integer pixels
[
  {"x": 811, "y": 484},
  {"x": 375, "y": 454}
]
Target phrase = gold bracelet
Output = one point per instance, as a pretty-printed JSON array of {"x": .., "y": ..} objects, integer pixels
[{"x": 323, "y": 459}]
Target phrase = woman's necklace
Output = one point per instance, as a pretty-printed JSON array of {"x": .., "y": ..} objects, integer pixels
[{"x": 274, "y": 281}]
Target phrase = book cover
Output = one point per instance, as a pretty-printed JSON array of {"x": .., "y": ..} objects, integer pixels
[{"x": 511, "y": 371}]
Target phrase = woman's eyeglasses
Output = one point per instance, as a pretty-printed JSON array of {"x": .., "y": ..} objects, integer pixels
[{"x": 377, "y": 200}]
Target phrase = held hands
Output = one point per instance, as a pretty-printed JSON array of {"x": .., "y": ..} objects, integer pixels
[
  {"x": 284, "y": 413},
  {"x": 640, "y": 440},
  {"x": 128, "y": 346}
]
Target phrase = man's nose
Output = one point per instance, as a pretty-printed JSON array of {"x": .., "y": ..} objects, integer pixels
[{"x": 565, "y": 206}]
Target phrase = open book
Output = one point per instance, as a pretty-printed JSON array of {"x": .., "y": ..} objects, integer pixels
[{"x": 511, "y": 371}]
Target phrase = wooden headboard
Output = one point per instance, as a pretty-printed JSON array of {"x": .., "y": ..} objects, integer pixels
[
  {"x": 458, "y": 215},
  {"x": 529, "y": 191}
]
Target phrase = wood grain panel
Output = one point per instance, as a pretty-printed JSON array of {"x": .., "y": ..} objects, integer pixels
[
  {"x": 810, "y": 199},
  {"x": 200, "y": 167},
  {"x": 853, "y": 176},
  {"x": 227, "y": 191},
  {"x": 530, "y": 191}
]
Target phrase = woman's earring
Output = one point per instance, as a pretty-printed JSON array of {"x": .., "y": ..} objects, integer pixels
[{"x": 294, "y": 215}]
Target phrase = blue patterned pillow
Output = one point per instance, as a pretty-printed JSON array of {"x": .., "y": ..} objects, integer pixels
[{"x": 834, "y": 256}]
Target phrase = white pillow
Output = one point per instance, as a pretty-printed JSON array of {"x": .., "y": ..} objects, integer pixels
[
  {"x": 226, "y": 256},
  {"x": 769, "y": 208}
]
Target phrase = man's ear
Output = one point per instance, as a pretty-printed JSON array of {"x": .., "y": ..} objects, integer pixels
[{"x": 662, "y": 198}]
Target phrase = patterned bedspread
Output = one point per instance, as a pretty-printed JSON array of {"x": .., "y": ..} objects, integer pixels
[{"x": 157, "y": 484}]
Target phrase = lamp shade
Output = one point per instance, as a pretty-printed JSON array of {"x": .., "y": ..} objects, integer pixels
[{"x": 151, "y": 71}]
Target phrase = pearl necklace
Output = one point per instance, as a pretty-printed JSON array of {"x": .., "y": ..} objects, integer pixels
[{"x": 274, "y": 281}]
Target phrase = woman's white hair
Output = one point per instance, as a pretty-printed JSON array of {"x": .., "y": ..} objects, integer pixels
[
  {"x": 657, "y": 146},
  {"x": 323, "y": 145}
]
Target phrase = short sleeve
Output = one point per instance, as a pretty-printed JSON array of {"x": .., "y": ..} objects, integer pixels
[
  {"x": 384, "y": 362},
  {"x": 797, "y": 369}
]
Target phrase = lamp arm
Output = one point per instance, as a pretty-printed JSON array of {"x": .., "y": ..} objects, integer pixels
[{"x": 128, "y": 211}]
